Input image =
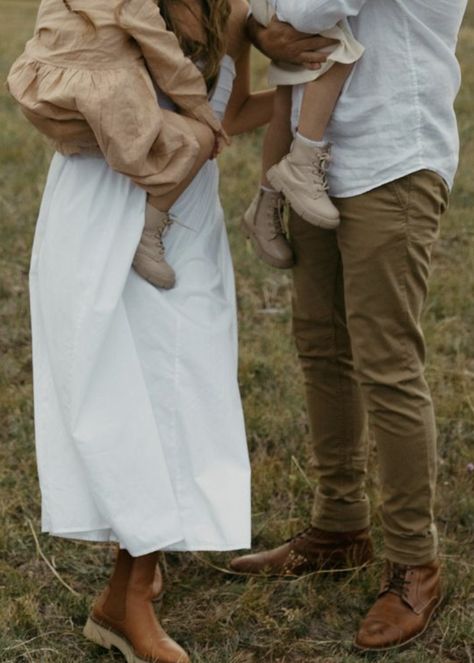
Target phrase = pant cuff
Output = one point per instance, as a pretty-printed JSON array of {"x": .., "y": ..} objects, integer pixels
[
  {"x": 341, "y": 517},
  {"x": 412, "y": 557}
]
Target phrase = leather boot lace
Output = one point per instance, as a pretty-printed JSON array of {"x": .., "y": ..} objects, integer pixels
[
  {"x": 398, "y": 582},
  {"x": 319, "y": 171}
]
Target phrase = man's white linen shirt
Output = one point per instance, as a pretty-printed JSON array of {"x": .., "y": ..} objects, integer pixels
[{"x": 395, "y": 115}]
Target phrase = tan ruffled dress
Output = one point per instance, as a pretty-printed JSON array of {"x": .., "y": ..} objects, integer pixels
[{"x": 89, "y": 89}]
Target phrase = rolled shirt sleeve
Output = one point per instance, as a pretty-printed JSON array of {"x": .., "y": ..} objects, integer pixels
[
  {"x": 316, "y": 16},
  {"x": 172, "y": 71}
]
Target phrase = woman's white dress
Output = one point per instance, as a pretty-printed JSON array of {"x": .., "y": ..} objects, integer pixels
[{"x": 139, "y": 427}]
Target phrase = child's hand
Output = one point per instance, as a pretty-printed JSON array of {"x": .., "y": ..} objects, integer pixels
[{"x": 222, "y": 140}]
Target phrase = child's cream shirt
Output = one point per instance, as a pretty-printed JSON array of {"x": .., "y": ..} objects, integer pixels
[{"x": 347, "y": 51}]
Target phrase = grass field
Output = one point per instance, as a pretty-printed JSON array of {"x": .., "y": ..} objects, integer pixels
[{"x": 219, "y": 619}]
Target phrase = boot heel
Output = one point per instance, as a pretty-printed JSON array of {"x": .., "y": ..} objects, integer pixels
[{"x": 95, "y": 633}]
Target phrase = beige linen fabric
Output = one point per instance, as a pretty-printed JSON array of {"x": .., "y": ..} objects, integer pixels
[
  {"x": 89, "y": 89},
  {"x": 358, "y": 298},
  {"x": 347, "y": 51}
]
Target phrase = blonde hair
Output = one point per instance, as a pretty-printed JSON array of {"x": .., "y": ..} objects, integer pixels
[{"x": 214, "y": 19}]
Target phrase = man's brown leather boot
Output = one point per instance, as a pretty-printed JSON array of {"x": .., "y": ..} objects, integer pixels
[
  {"x": 311, "y": 550},
  {"x": 123, "y": 616},
  {"x": 404, "y": 607}
]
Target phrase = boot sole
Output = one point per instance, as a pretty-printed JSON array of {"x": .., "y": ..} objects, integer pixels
[
  {"x": 266, "y": 257},
  {"x": 274, "y": 575},
  {"x": 319, "y": 222},
  {"x": 106, "y": 638},
  {"x": 164, "y": 285},
  {"x": 406, "y": 643}
]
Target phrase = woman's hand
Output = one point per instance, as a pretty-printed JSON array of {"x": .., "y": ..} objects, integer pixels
[
  {"x": 282, "y": 43},
  {"x": 222, "y": 140}
]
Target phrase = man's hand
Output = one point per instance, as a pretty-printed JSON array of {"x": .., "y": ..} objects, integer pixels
[{"x": 282, "y": 43}]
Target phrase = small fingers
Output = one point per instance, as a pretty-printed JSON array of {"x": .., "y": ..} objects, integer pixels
[{"x": 313, "y": 57}]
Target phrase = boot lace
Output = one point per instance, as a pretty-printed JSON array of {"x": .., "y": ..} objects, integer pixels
[
  {"x": 275, "y": 218},
  {"x": 319, "y": 170},
  {"x": 159, "y": 234},
  {"x": 398, "y": 582}
]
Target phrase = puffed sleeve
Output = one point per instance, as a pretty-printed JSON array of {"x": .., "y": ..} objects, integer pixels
[{"x": 172, "y": 71}]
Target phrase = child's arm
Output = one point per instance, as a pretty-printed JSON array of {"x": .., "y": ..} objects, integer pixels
[
  {"x": 174, "y": 73},
  {"x": 246, "y": 110}
]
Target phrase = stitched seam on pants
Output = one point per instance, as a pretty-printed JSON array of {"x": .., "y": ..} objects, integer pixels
[
  {"x": 403, "y": 275},
  {"x": 344, "y": 453}
]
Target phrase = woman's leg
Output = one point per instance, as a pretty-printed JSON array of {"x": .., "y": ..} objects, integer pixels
[{"x": 123, "y": 616}]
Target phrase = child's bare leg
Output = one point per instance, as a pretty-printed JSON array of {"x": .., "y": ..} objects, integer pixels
[
  {"x": 301, "y": 175},
  {"x": 262, "y": 222},
  {"x": 206, "y": 139},
  {"x": 320, "y": 99},
  {"x": 150, "y": 259},
  {"x": 278, "y": 137}
]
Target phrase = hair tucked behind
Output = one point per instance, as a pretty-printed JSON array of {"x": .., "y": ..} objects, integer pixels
[{"x": 214, "y": 18}]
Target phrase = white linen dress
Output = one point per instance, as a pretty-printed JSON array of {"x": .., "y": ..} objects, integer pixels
[{"x": 139, "y": 427}]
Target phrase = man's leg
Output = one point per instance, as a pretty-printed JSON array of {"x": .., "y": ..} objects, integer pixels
[
  {"x": 333, "y": 397},
  {"x": 386, "y": 238},
  {"x": 339, "y": 537}
]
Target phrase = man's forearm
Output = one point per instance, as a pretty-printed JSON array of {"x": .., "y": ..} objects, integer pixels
[
  {"x": 315, "y": 16},
  {"x": 254, "y": 31},
  {"x": 281, "y": 42}
]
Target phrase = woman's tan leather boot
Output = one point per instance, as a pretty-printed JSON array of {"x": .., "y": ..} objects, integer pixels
[{"x": 123, "y": 616}]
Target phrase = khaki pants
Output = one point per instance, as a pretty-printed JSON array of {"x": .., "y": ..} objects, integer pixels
[{"x": 358, "y": 299}]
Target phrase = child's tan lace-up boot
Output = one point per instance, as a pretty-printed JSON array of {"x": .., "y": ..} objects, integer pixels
[
  {"x": 263, "y": 225},
  {"x": 150, "y": 260},
  {"x": 301, "y": 177}
]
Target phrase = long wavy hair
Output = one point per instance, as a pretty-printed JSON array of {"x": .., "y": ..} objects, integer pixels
[{"x": 214, "y": 17}]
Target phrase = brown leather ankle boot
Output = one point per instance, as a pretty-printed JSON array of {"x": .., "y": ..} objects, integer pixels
[
  {"x": 123, "y": 616},
  {"x": 403, "y": 610},
  {"x": 157, "y": 586},
  {"x": 311, "y": 550}
]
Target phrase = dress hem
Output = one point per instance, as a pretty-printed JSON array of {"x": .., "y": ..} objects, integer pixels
[{"x": 194, "y": 547}]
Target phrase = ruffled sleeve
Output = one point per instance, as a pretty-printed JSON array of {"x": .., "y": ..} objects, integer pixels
[{"x": 174, "y": 73}]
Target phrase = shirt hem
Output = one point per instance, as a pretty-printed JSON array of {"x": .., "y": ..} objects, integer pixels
[{"x": 358, "y": 191}]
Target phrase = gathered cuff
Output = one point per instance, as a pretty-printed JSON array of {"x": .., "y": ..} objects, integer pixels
[{"x": 204, "y": 113}]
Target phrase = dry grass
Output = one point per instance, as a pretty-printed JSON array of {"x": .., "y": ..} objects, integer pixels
[{"x": 219, "y": 619}]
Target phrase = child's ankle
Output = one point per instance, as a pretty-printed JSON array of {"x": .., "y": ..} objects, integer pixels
[{"x": 310, "y": 141}]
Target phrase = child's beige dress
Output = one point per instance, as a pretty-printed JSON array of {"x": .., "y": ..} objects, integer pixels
[
  {"x": 89, "y": 88},
  {"x": 347, "y": 51}
]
